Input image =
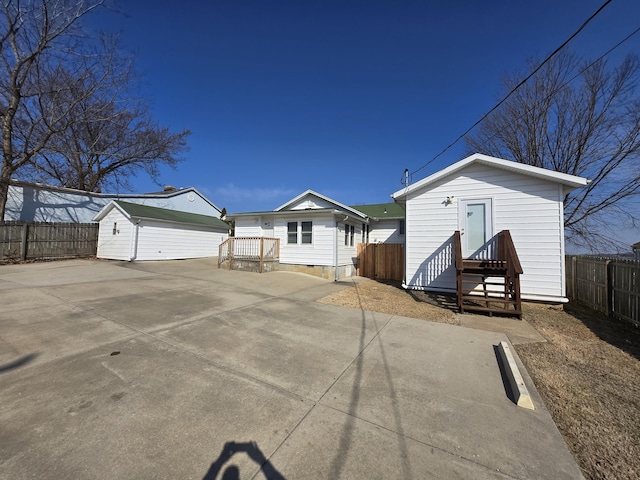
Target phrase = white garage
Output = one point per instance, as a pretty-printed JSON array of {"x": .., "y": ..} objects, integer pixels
[{"x": 130, "y": 231}]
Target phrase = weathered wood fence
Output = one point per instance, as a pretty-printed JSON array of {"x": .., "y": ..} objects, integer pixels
[
  {"x": 609, "y": 286},
  {"x": 383, "y": 261},
  {"x": 34, "y": 241}
]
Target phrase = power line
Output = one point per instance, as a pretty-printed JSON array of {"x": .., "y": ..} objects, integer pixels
[
  {"x": 559, "y": 88},
  {"x": 514, "y": 89}
]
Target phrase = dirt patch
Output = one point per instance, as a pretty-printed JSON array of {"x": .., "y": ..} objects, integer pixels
[
  {"x": 391, "y": 298},
  {"x": 588, "y": 371}
]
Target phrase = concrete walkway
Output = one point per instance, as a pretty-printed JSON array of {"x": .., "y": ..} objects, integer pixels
[{"x": 178, "y": 370}]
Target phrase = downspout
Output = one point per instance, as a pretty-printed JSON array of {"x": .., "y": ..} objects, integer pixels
[{"x": 134, "y": 242}]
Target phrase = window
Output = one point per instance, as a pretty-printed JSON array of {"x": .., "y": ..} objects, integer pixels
[
  {"x": 401, "y": 227},
  {"x": 362, "y": 240},
  {"x": 292, "y": 232},
  {"x": 307, "y": 228},
  {"x": 349, "y": 232}
]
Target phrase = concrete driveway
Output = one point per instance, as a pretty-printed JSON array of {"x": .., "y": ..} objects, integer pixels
[{"x": 178, "y": 370}]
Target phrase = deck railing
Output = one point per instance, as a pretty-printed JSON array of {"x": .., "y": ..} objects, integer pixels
[
  {"x": 257, "y": 249},
  {"x": 507, "y": 253},
  {"x": 505, "y": 264}
]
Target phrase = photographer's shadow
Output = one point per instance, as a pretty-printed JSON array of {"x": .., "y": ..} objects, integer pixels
[{"x": 232, "y": 472}]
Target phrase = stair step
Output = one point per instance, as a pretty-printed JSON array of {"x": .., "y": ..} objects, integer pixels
[
  {"x": 474, "y": 282},
  {"x": 502, "y": 311},
  {"x": 473, "y": 298}
]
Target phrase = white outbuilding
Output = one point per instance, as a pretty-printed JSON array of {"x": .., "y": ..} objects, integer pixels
[
  {"x": 130, "y": 231},
  {"x": 480, "y": 196}
]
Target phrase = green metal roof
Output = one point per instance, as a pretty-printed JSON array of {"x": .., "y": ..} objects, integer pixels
[
  {"x": 381, "y": 210},
  {"x": 156, "y": 213}
]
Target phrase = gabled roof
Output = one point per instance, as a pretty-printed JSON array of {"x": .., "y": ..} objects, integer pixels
[
  {"x": 635, "y": 246},
  {"x": 570, "y": 182},
  {"x": 145, "y": 212},
  {"x": 163, "y": 194},
  {"x": 380, "y": 211},
  {"x": 322, "y": 197}
]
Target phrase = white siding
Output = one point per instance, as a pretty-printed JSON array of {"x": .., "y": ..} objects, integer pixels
[
  {"x": 319, "y": 252},
  {"x": 385, "y": 231},
  {"x": 528, "y": 207},
  {"x": 347, "y": 254},
  {"x": 248, "y": 227},
  {"x": 188, "y": 201},
  {"x": 33, "y": 204},
  {"x": 167, "y": 241},
  {"x": 310, "y": 202},
  {"x": 115, "y": 246}
]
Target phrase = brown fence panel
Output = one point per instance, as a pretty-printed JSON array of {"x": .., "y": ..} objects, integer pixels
[
  {"x": 10, "y": 241},
  {"x": 625, "y": 291},
  {"x": 383, "y": 261},
  {"x": 25, "y": 241},
  {"x": 611, "y": 286}
]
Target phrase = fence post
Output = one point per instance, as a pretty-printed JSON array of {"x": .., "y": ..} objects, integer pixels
[
  {"x": 23, "y": 241},
  {"x": 574, "y": 279},
  {"x": 608, "y": 283},
  {"x": 261, "y": 252}
]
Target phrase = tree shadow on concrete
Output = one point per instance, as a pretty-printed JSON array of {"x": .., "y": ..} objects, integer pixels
[
  {"x": 232, "y": 472},
  {"x": 18, "y": 363}
]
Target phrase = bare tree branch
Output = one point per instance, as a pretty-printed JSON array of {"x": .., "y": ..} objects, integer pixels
[
  {"x": 588, "y": 127},
  {"x": 69, "y": 112}
]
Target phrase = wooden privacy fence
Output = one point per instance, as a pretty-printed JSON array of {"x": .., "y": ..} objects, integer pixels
[
  {"x": 609, "y": 286},
  {"x": 33, "y": 241},
  {"x": 383, "y": 261}
]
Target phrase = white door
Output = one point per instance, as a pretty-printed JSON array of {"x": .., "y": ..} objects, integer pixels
[{"x": 476, "y": 227}]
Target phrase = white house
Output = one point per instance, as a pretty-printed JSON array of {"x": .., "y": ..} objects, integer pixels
[
  {"x": 481, "y": 196},
  {"x": 318, "y": 235},
  {"x": 34, "y": 202},
  {"x": 130, "y": 231},
  {"x": 386, "y": 222}
]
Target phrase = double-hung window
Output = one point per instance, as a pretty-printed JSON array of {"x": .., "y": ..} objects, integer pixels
[
  {"x": 292, "y": 232},
  {"x": 307, "y": 232},
  {"x": 349, "y": 232}
]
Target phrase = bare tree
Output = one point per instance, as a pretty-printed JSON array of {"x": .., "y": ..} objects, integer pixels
[
  {"x": 579, "y": 118},
  {"x": 110, "y": 135},
  {"x": 66, "y": 108}
]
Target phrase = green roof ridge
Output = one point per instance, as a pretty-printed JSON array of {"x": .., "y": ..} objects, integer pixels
[
  {"x": 381, "y": 210},
  {"x": 157, "y": 213}
]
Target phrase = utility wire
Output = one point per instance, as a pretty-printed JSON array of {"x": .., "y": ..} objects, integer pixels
[
  {"x": 559, "y": 88},
  {"x": 513, "y": 90}
]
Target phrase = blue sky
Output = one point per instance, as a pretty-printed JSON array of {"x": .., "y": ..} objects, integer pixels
[{"x": 338, "y": 96}]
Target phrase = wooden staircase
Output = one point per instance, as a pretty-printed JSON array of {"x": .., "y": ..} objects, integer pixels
[{"x": 492, "y": 285}]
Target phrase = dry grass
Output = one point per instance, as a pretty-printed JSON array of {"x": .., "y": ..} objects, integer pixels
[{"x": 588, "y": 371}]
